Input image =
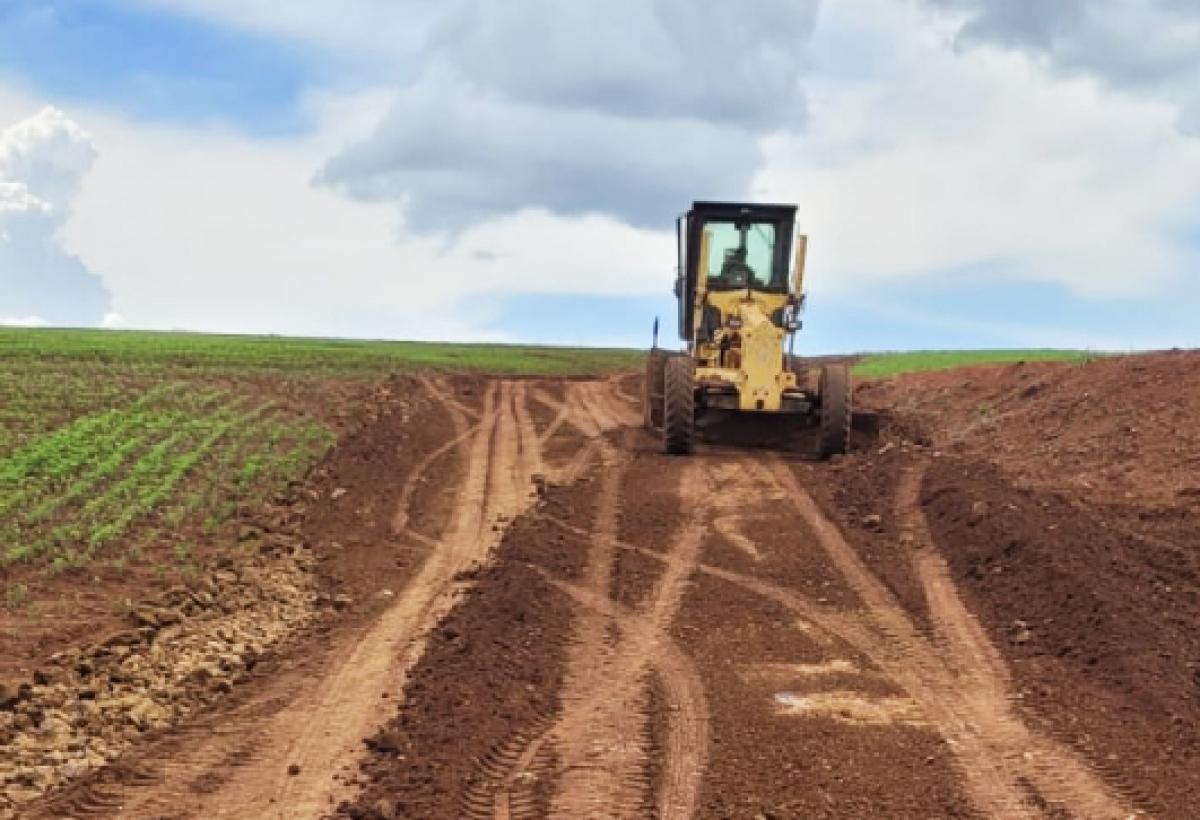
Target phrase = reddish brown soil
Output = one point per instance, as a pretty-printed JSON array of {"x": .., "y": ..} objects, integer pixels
[
  {"x": 859, "y": 492},
  {"x": 647, "y": 516},
  {"x": 768, "y": 767},
  {"x": 490, "y": 672},
  {"x": 1068, "y": 514},
  {"x": 758, "y": 655},
  {"x": 1101, "y": 625},
  {"x": 1118, "y": 430},
  {"x": 358, "y": 554}
]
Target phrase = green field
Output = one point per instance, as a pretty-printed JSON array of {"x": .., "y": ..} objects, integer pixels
[
  {"x": 101, "y": 470},
  {"x": 895, "y": 364},
  {"x": 271, "y": 355}
]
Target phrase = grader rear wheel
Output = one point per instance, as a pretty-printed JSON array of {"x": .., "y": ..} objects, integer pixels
[
  {"x": 836, "y": 411},
  {"x": 679, "y": 405}
]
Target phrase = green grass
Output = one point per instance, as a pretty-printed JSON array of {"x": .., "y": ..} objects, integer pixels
[
  {"x": 270, "y": 355},
  {"x": 895, "y": 364}
]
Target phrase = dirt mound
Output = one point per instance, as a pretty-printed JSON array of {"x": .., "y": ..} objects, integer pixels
[
  {"x": 1099, "y": 624},
  {"x": 1064, "y": 499},
  {"x": 1117, "y": 430}
]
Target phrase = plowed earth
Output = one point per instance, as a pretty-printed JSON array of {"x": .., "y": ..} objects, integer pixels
[{"x": 990, "y": 609}]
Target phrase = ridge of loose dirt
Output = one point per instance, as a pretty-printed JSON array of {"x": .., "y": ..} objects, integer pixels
[
  {"x": 1091, "y": 620},
  {"x": 1117, "y": 430},
  {"x": 422, "y": 762},
  {"x": 610, "y": 709}
]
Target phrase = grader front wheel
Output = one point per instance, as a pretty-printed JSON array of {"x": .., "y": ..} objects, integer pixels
[
  {"x": 679, "y": 405},
  {"x": 652, "y": 396},
  {"x": 836, "y": 411}
]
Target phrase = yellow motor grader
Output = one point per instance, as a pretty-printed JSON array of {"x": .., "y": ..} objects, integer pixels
[{"x": 740, "y": 298}]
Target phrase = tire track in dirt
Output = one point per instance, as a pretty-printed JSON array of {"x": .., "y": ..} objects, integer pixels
[
  {"x": 463, "y": 431},
  {"x": 562, "y": 413},
  {"x": 348, "y": 705},
  {"x": 731, "y": 507},
  {"x": 588, "y": 653},
  {"x": 729, "y": 527},
  {"x": 603, "y": 734},
  {"x": 315, "y": 729},
  {"x": 911, "y": 661},
  {"x": 1010, "y": 771},
  {"x": 573, "y": 412},
  {"x": 592, "y": 412},
  {"x": 523, "y": 759},
  {"x": 685, "y": 701},
  {"x": 512, "y": 770},
  {"x": 843, "y": 626},
  {"x": 617, "y": 385},
  {"x": 532, "y": 462},
  {"x": 445, "y": 394},
  {"x": 597, "y": 770},
  {"x": 1059, "y": 777},
  {"x": 612, "y": 412},
  {"x": 601, "y": 738},
  {"x": 993, "y": 748}
]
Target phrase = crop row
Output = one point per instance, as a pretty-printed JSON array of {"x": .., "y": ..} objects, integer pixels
[
  {"x": 253, "y": 462},
  {"x": 109, "y": 484},
  {"x": 38, "y": 407},
  {"x": 119, "y": 469}
]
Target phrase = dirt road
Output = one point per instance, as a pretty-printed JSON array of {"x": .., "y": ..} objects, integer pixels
[{"x": 720, "y": 636}]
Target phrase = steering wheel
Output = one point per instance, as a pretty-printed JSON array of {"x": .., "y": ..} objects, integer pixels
[{"x": 737, "y": 274}]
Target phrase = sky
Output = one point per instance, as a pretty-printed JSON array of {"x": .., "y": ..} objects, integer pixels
[{"x": 969, "y": 173}]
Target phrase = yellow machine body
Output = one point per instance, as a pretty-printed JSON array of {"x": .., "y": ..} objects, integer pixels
[{"x": 747, "y": 352}]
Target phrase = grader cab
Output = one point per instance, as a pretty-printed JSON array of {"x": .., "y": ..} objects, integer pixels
[{"x": 740, "y": 294}]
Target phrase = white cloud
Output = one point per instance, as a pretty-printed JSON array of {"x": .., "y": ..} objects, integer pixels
[
  {"x": 627, "y": 108},
  {"x": 24, "y": 321},
  {"x": 1144, "y": 47},
  {"x": 49, "y": 154},
  {"x": 982, "y": 160},
  {"x": 112, "y": 321},
  {"x": 43, "y": 160},
  {"x": 211, "y": 229},
  {"x": 917, "y": 160}
]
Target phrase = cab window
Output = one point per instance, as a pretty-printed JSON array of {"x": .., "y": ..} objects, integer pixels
[{"x": 742, "y": 255}]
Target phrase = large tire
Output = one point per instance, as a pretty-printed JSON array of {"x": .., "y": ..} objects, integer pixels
[
  {"x": 836, "y": 410},
  {"x": 652, "y": 393},
  {"x": 679, "y": 406}
]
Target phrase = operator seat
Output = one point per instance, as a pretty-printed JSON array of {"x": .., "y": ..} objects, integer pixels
[{"x": 735, "y": 272}]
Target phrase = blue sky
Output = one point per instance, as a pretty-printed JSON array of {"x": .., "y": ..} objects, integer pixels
[
  {"x": 407, "y": 168},
  {"x": 896, "y": 317},
  {"x": 154, "y": 64}
]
